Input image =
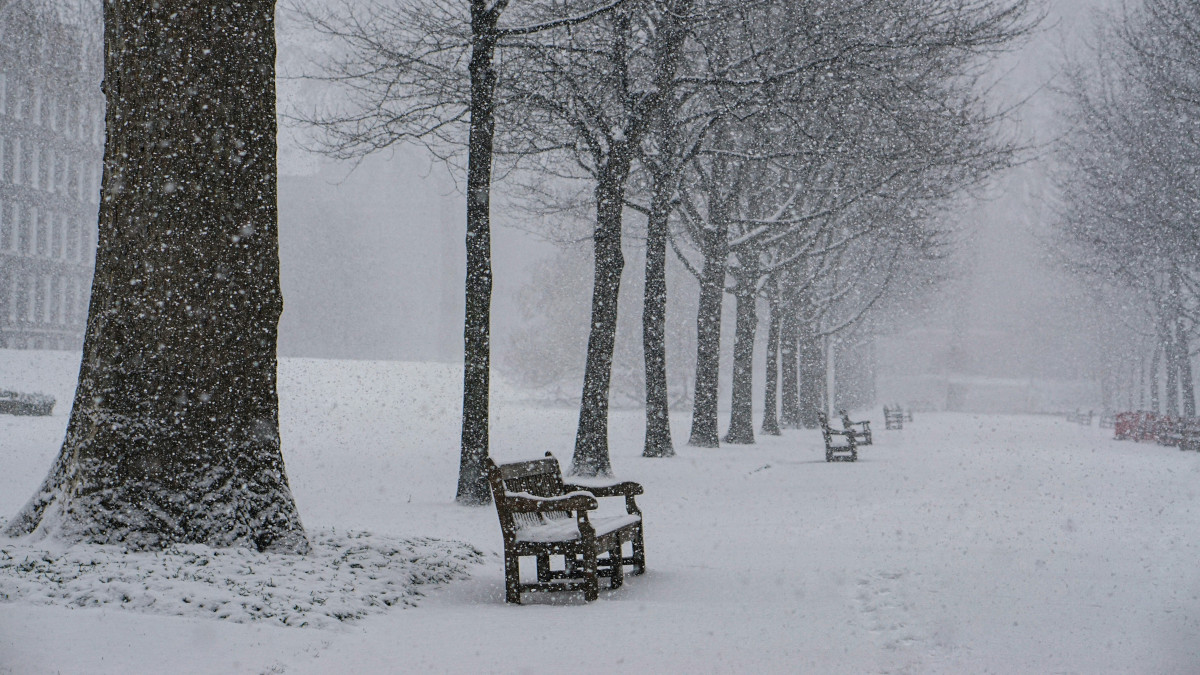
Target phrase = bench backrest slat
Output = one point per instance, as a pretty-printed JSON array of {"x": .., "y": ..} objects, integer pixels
[{"x": 539, "y": 477}]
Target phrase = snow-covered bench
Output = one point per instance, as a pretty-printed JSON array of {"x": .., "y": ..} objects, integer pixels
[
  {"x": 541, "y": 516},
  {"x": 862, "y": 435},
  {"x": 834, "y": 450},
  {"x": 893, "y": 418}
]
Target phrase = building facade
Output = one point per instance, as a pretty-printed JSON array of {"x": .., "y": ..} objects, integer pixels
[{"x": 51, "y": 147}]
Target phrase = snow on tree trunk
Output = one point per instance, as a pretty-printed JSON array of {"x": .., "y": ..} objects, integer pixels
[{"x": 174, "y": 431}]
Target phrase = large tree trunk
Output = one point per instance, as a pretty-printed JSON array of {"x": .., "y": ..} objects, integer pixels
[
  {"x": 174, "y": 431},
  {"x": 591, "y": 440},
  {"x": 741, "y": 416},
  {"x": 472, "y": 477},
  {"x": 654, "y": 324},
  {"x": 789, "y": 366},
  {"x": 770, "y": 425}
]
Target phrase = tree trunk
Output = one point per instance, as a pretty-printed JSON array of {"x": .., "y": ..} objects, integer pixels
[
  {"x": 654, "y": 324},
  {"x": 789, "y": 365},
  {"x": 708, "y": 338},
  {"x": 1154, "y": 400},
  {"x": 174, "y": 432},
  {"x": 770, "y": 425},
  {"x": 663, "y": 165},
  {"x": 812, "y": 375},
  {"x": 591, "y": 440},
  {"x": 1184, "y": 359},
  {"x": 1171, "y": 363},
  {"x": 741, "y": 416},
  {"x": 472, "y": 477}
]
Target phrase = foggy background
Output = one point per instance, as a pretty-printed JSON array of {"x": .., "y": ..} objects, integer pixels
[{"x": 373, "y": 269}]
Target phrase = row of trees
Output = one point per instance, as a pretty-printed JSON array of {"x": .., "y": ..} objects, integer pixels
[
  {"x": 1130, "y": 193},
  {"x": 791, "y": 153}
]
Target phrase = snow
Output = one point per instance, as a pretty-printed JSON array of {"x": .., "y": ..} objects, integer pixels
[{"x": 964, "y": 543}]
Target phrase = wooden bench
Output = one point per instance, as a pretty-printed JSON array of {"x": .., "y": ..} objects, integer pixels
[
  {"x": 1189, "y": 435},
  {"x": 1080, "y": 417},
  {"x": 835, "y": 451},
  {"x": 15, "y": 403},
  {"x": 893, "y": 418},
  {"x": 862, "y": 435},
  {"x": 1180, "y": 432},
  {"x": 541, "y": 516}
]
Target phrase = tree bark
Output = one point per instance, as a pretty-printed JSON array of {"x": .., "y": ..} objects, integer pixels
[
  {"x": 654, "y": 324},
  {"x": 789, "y": 364},
  {"x": 708, "y": 337},
  {"x": 770, "y": 425},
  {"x": 664, "y": 169},
  {"x": 473, "y": 487},
  {"x": 174, "y": 431},
  {"x": 1171, "y": 363},
  {"x": 1184, "y": 360},
  {"x": 741, "y": 416},
  {"x": 591, "y": 440},
  {"x": 812, "y": 376},
  {"x": 1155, "y": 405}
]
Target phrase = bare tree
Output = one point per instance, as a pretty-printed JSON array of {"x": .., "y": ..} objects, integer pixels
[
  {"x": 403, "y": 68},
  {"x": 1128, "y": 185}
]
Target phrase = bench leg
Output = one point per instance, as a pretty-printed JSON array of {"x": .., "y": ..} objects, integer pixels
[
  {"x": 591, "y": 576},
  {"x": 618, "y": 567},
  {"x": 543, "y": 567},
  {"x": 639, "y": 552},
  {"x": 512, "y": 578}
]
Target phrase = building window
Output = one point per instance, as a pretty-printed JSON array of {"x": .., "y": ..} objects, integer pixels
[
  {"x": 56, "y": 246},
  {"x": 37, "y": 105},
  {"x": 14, "y": 227},
  {"x": 3, "y": 94},
  {"x": 29, "y": 231},
  {"x": 16, "y": 161}
]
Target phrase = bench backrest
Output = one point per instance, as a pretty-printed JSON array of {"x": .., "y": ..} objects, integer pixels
[{"x": 539, "y": 477}]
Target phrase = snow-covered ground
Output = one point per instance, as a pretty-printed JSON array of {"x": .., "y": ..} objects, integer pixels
[{"x": 960, "y": 544}]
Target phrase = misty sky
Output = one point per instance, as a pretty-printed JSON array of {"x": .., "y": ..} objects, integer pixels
[{"x": 373, "y": 258}]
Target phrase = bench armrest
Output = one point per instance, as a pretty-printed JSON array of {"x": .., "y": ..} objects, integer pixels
[
  {"x": 572, "y": 501},
  {"x": 623, "y": 489}
]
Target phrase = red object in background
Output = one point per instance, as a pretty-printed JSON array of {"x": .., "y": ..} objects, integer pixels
[{"x": 1137, "y": 426}]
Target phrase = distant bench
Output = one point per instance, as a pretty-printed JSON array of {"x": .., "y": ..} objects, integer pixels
[
  {"x": 1079, "y": 417},
  {"x": 835, "y": 450},
  {"x": 1183, "y": 433},
  {"x": 862, "y": 434},
  {"x": 14, "y": 403},
  {"x": 541, "y": 516},
  {"x": 893, "y": 418}
]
